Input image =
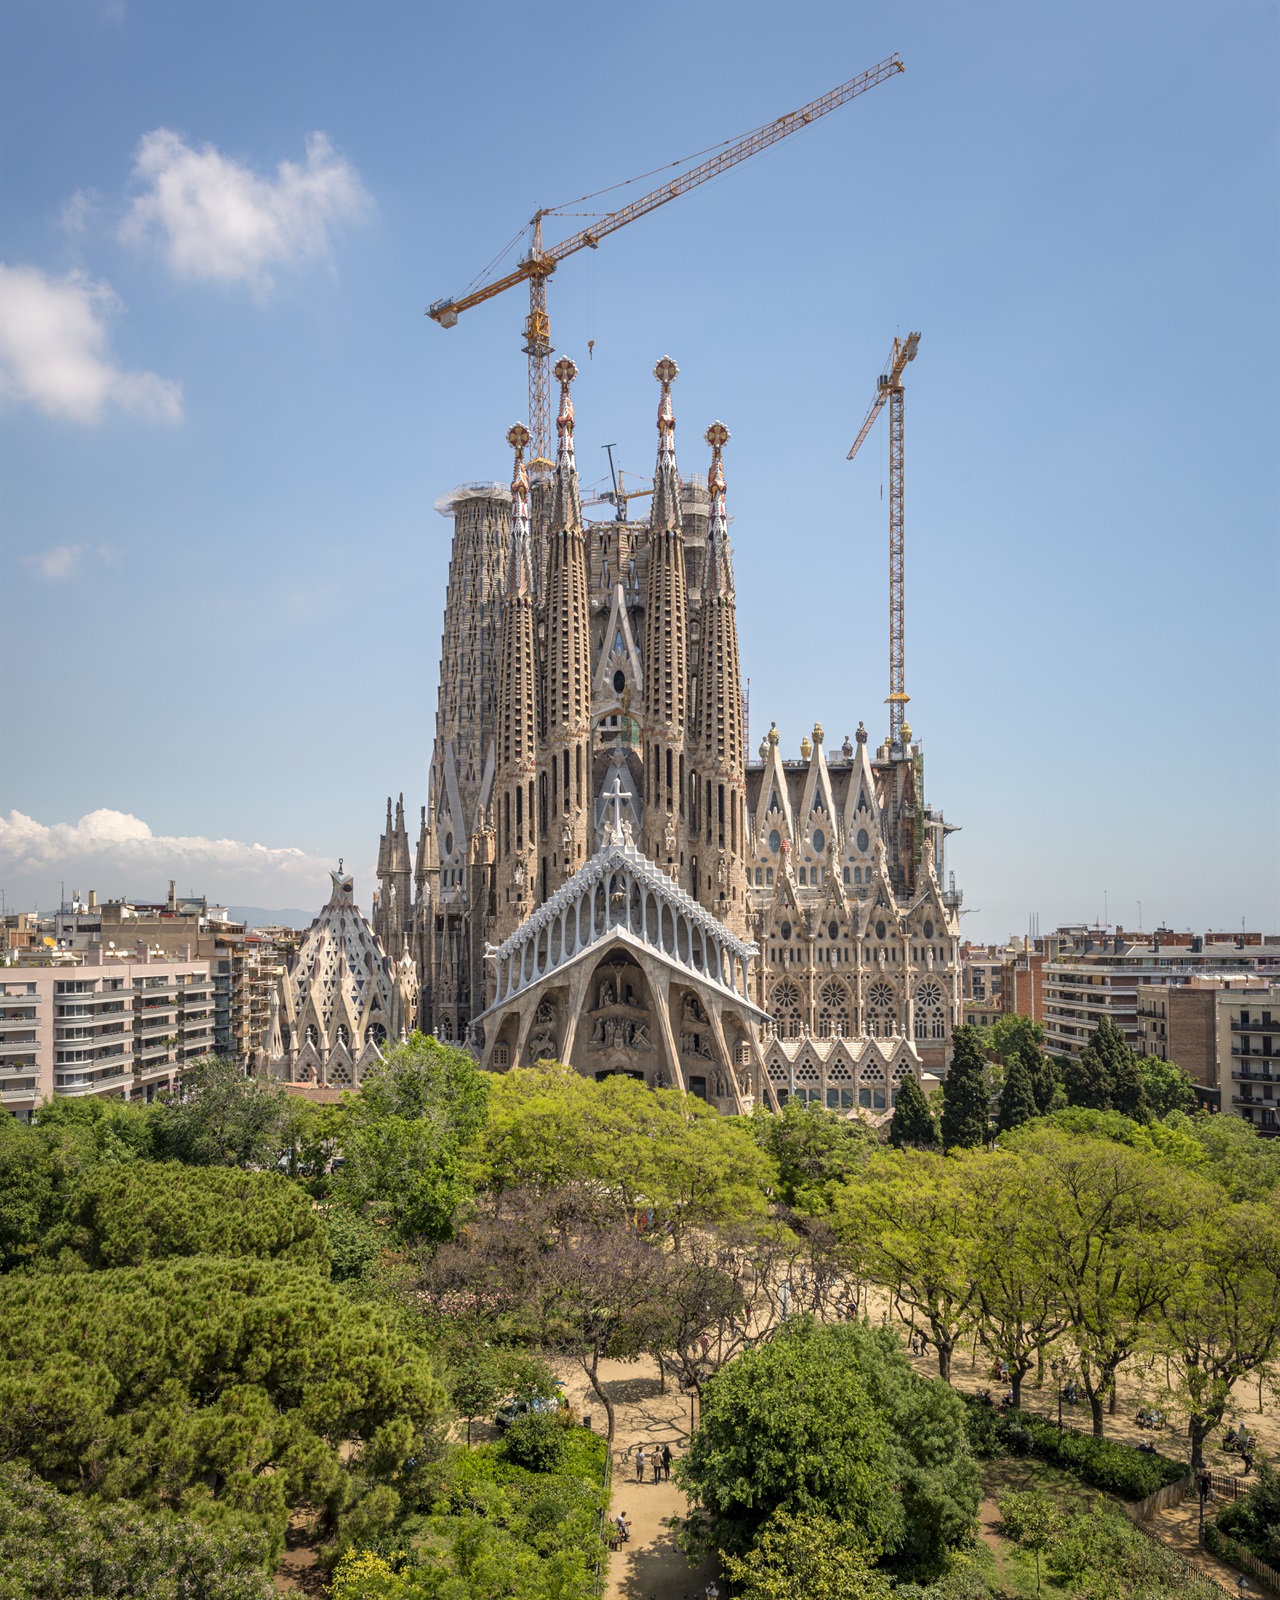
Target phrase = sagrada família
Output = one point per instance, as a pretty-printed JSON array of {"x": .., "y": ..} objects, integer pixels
[{"x": 604, "y": 875}]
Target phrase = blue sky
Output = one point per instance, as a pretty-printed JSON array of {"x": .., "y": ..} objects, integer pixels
[{"x": 226, "y": 420}]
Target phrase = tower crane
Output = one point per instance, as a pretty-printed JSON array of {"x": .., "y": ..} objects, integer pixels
[
  {"x": 540, "y": 261},
  {"x": 889, "y": 387}
]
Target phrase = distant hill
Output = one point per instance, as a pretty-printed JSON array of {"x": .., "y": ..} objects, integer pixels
[{"x": 257, "y": 917}]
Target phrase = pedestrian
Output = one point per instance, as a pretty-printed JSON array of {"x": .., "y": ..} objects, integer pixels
[
  {"x": 666, "y": 1462},
  {"x": 639, "y": 1463},
  {"x": 656, "y": 1455},
  {"x": 1247, "y": 1458}
]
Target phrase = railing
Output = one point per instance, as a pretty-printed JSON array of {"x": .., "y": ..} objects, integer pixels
[
  {"x": 1221, "y": 1544},
  {"x": 606, "y": 1486},
  {"x": 1170, "y": 1495}
]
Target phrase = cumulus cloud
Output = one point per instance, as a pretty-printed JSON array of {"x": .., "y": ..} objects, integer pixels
[
  {"x": 55, "y": 356},
  {"x": 216, "y": 219},
  {"x": 119, "y": 854}
]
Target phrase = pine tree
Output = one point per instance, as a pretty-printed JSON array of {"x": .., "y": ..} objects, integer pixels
[
  {"x": 1128, "y": 1090},
  {"x": 912, "y": 1121},
  {"x": 965, "y": 1102},
  {"x": 1017, "y": 1098}
]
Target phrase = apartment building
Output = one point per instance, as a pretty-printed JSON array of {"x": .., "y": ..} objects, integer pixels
[
  {"x": 1090, "y": 974},
  {"x": 1226, "y": 1035},
  {"x": 85, "y": 1025},
  {"x": 982, "y": 983}
]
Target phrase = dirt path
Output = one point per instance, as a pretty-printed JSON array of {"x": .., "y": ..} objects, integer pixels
[
  {"x": 649, "y": 1566},
  {"x": 1179, "y": 1529}
]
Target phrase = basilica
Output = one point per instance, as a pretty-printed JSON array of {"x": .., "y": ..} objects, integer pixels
[{"x": 603, "y": 873}]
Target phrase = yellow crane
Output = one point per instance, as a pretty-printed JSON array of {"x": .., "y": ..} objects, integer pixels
[
  {"x": 889, "y": 387},
  {"x": 539, "y": 262}
]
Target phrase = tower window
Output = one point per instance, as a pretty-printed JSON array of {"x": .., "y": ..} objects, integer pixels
[{"x": 619, "y": 681}]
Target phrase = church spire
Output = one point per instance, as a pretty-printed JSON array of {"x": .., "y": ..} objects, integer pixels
[
  {"x": 665, "y": 514},
  {"x": 519, "y": 576},
  {"x": 567, "y": 768},
  {"x": 666, "y": 628},
  {"x": 566, "y": 506},
  {"x": 719, "y": 573},
  {"x": 721, "y": 752}
]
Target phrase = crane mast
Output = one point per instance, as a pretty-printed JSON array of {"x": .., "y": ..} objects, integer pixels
[
  {"x": 537, "y": 265},
  {"x": 889, "y": 389}
]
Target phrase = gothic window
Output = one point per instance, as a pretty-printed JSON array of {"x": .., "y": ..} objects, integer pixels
[
  {"x": 768, "y": 876},
  {"x": 879, "y": 930},
  {"x": 833, "y": 930},
  {"x": 819, "y": 841},
  {"x": 864, "y": 840},
  {"x": 833, "y": 1010},
  {"x": 930, "y": 1015},
  {"x": 775, "y": 841},
  {"x": 785, "y": 1006},
  {"x": 880, "y": 1010},
  {"x": 785, "y": 930},
  {"x": 846, "y": 874},
  {"x": 377, "y": 1033}
]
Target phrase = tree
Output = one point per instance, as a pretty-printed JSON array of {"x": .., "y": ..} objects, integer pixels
[
  {"x": 218, "y": 1117},
  {"x": 1246, "y": 1166},
  {"x": 1221, "y": 1318},
  {"x": 830, "y": 1422},
  {"x": 220, "y": 1388},
  {"x": 814, "y": 1150},
  {"x": 1166, "y": 1087},
  {"x": 965, "y": 1104},
  {"x": 1032, "y": 1519},
  {"x": 639, "y": 1150},
  {"x": 125, "y": 1215},
  {"x": 1107, "y": 1075},
  {"x": 807, "y": 1557},
  {"x": 406, "y": 1136},
  {"x": 912, "y": 1122},
  {"x": 1017, "y": 1098},
  {"x": 1103, "y": 1218},
  {"x": 62, "y": 1547},
  {"x": 908, "y": 1221},
  {"x": 1019, "y": 1312}
]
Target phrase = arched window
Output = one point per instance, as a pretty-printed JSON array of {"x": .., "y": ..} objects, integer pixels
[
  {"x": 785, "y": 1006},
  {"x": 833, "y": 1010},
  {"x": 880, "y": 1011},
  {"x": 930, "y": 1013}
]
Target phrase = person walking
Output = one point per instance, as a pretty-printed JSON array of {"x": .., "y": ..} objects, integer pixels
[
  {"x": 666, "y": 1462},
  {"x": 656, "y": 1457},
  {"x": 639, "y": 1463}
]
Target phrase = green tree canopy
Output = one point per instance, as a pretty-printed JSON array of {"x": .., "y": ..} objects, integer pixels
[
  {"x": 212, "y": 1387},
  {"x": 405, "y": 1136},
  {"x": 62, "y": 1547},
  {"x": 912, "y": 1121},
  {"x": 1017, "y": 1098},
  {"x": 1107, "y": 1075},
  {"x": 908, "y": 1222},
  {"x": 1166, "y": 1087},
  {"x": 122, "y": 1215},
  {"x": 965, "y": 1110},
  {"x": 643, "y": 1150},
  {"x": 807, "y": 1557},
  {"x": 814, "y": 1150},
  {"x": 218, "y": 1117},
  {"x": 831, "y": 1421}
]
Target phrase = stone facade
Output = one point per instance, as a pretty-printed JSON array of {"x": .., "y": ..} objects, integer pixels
[
  {"x": 770, "y": 918},
  {"x": 341, "y": 1002}
]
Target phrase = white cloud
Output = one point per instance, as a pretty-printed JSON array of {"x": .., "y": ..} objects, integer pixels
[
  {"x": 54, "y": 351},
  {"x": 118, "y": 854},
  {"x": 218, "y": 220},
  {"x": 65, "y": 560}
]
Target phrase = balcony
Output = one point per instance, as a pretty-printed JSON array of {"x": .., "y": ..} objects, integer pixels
[
  {"x": 1255, "y": 1027},
  {"x": 1254, "y": 1074}
]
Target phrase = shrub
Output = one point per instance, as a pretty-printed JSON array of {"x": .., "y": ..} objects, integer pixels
[
  {"x": 1102, "y": 1463},
  {"x": 1254, "y": 1520},
  {"x": 536, "y": 1441}
]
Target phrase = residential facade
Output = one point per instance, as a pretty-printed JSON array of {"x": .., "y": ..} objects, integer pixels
[
  {"x": 1225, "y": 1034},
  {"x": 115, "y": 1027}
]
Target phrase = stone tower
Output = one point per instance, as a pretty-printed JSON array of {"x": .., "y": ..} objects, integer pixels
[
  {"x": 567, "y": 747},
  {"x": 516, "y": 780},
  {"x": 666, "y": 629}
]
